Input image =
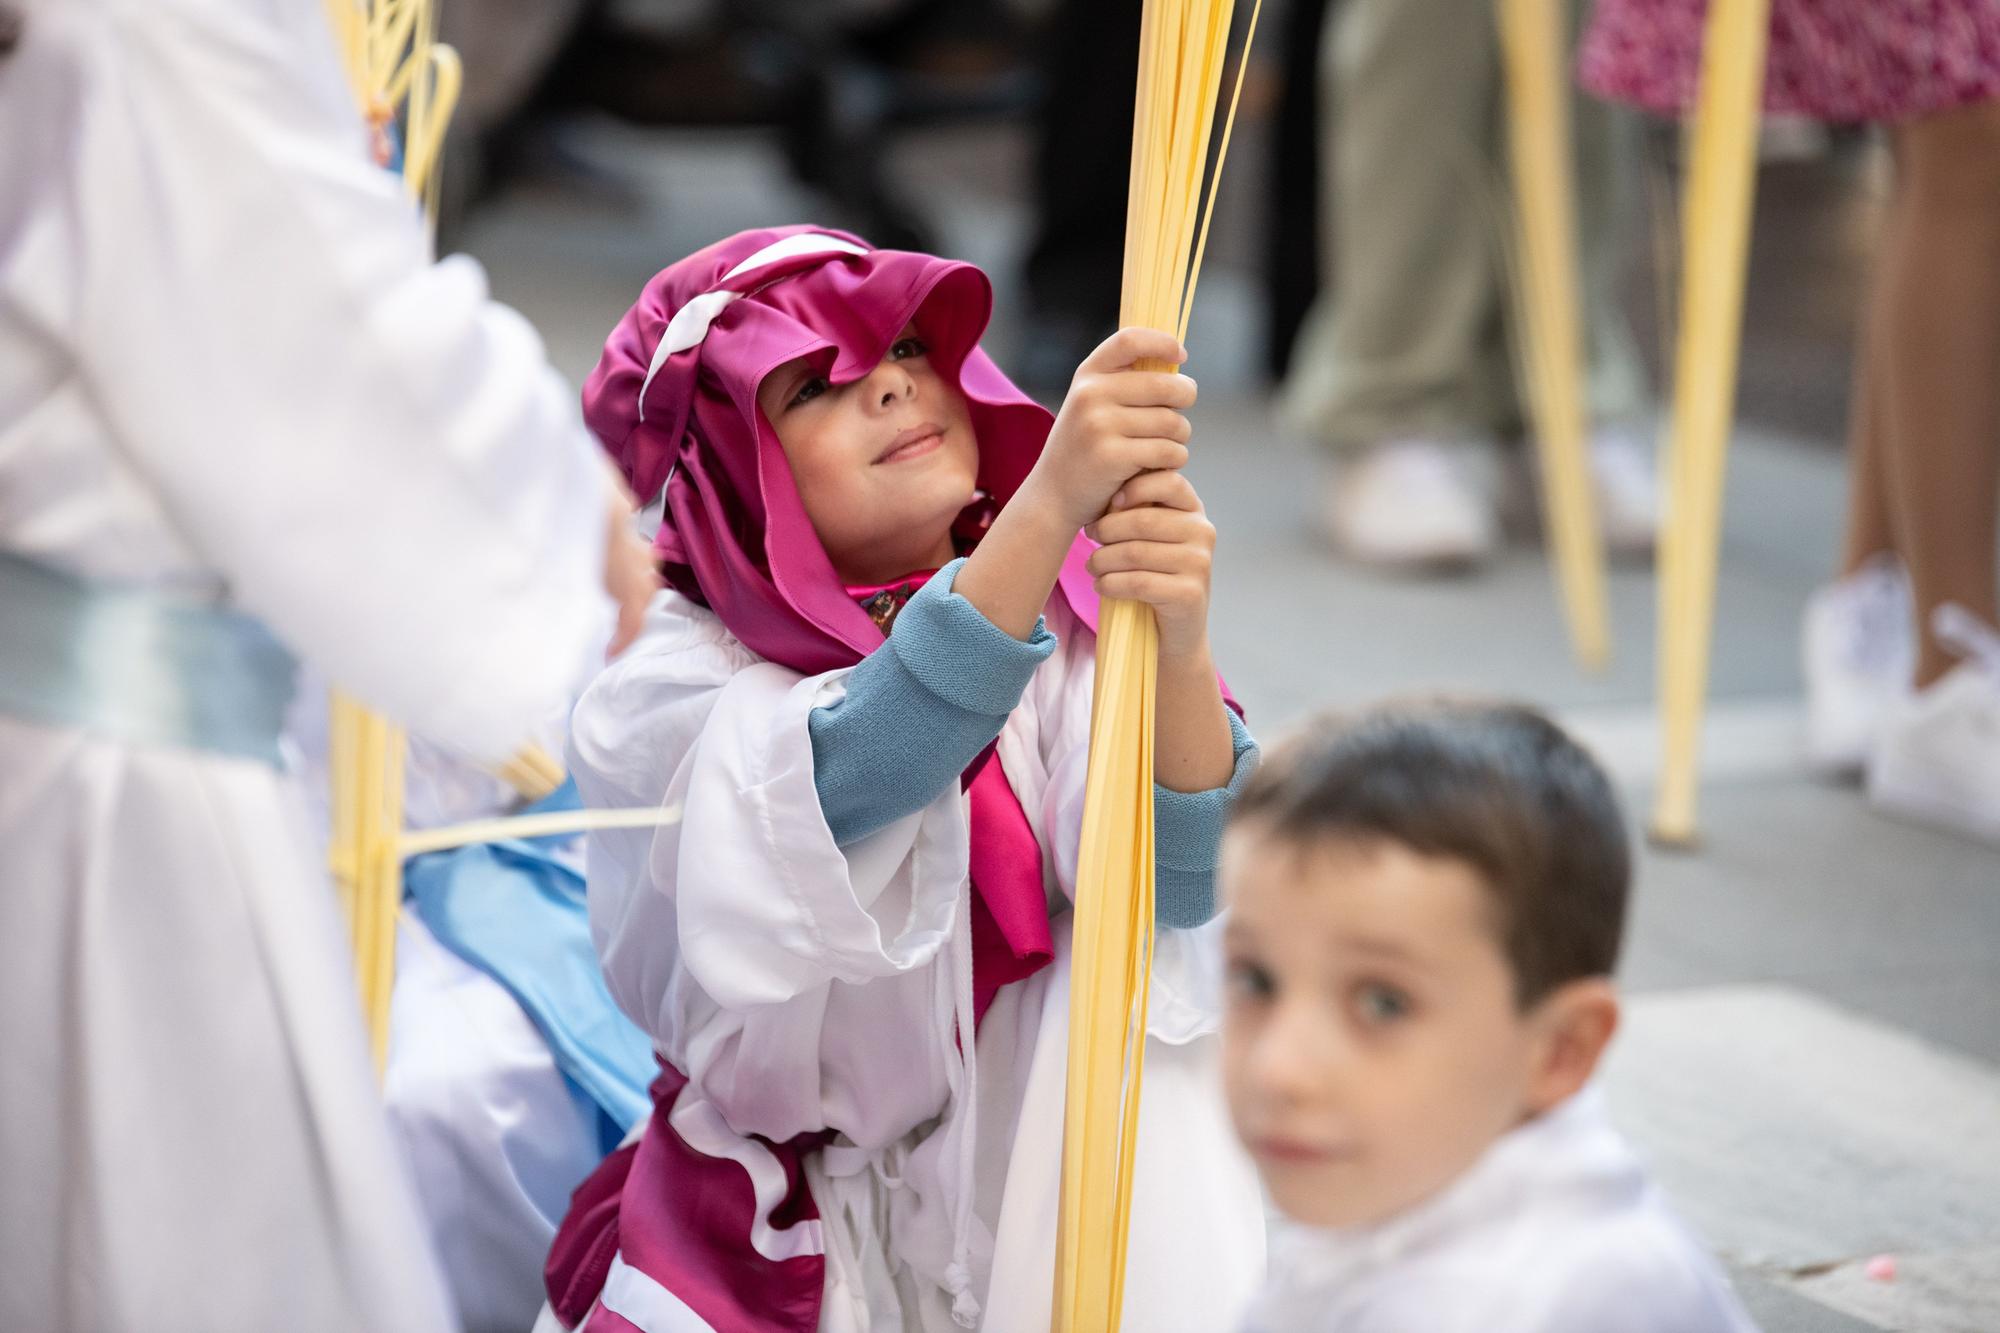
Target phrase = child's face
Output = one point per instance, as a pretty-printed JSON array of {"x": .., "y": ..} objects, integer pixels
[
  {"x": 883, "y": 464},
  {"x": 1372, "y": 1047}
]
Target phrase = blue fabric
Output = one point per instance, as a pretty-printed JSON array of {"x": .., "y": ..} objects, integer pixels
[
  {"x": 919, "y": 711},
  {"x": 139, "y": 664},
  {"x": 516, "y": 912},
  {"x": 1187, "y": 836}
]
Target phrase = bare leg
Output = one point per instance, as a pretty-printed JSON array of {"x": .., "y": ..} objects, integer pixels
[
  {"x": 1870, "y": 526},
  {"x": 1939, "y": 351}
]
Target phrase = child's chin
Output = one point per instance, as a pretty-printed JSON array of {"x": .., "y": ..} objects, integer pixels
[
  {"x": 1322, "y": 1204},
  {"x": 931, "y": 502}
]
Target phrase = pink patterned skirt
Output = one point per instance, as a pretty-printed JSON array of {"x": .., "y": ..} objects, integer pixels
[{"x": 1843, "y": 61}]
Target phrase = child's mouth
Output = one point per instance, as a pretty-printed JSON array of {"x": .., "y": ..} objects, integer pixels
[
  {"x": 913, "y": 443},
  {"x": 1295, "y": 1152}
]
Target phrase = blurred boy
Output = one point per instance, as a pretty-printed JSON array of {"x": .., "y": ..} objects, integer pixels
[{"x": 1425, "y": 908}]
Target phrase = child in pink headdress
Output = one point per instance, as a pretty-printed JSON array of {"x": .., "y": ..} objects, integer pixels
[{"x": 868, "y": 689}]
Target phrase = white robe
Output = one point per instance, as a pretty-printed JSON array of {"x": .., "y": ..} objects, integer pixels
[
  {"x": 1555, "y": 1229},
  {"x": 227, "y": 368},
  {"x": 495, "y": 1137},
  {"x": 493, "y": 1134},
  {"x": 803, "y": 987}
]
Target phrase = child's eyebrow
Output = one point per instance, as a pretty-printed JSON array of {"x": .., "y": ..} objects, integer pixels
[{"x": 1380, "y": 946}]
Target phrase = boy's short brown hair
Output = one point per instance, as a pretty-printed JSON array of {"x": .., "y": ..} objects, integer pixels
[{"x": 1495, "y": 785}]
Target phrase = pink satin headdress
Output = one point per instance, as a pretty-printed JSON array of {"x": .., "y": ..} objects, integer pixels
[{"x": 674, "y": 400}]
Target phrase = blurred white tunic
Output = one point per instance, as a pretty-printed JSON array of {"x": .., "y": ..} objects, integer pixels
[
  {"x": 227, "y": 369},
  {"x": 1555, "y": 1229},
  {"x": 495, "y": 1137}
]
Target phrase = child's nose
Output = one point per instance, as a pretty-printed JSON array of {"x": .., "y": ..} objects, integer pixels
[
  {"x": 1294, "y": 1058},
  {"x": 890, "y": 384}
]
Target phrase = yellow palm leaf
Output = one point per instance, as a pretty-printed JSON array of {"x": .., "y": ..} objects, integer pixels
[{"x": 1182, "y": 49}]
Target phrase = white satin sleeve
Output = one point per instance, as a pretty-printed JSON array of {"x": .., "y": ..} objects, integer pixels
[
  {"x": 376, "y": 457},
  {"x": 789, "y": 977}
]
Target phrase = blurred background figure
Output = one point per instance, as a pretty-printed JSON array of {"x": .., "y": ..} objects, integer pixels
[
  {"x": 1901, "y": 654},
  {"x": 839, "y": 80},
  {"x": 839, "y": 83},
  {"x": 244, "y": 421},
  {"x": 1404, "y": 369},
  {"x": 1089, "y": 53}
]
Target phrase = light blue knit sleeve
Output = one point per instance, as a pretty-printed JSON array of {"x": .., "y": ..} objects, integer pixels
[
  {"x": 919, "y": 709},
  {"x": 1187, "y": 834}
]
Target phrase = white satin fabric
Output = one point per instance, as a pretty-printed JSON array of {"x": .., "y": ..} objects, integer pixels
[
  {"x": 802, "y": 986},
  {"x": 495, "y": 1137},
  {"x": 228, "y": 367}
]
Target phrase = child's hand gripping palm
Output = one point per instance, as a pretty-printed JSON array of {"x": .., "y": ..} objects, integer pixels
[
  {"x": 1113, "y": 462},
  {"x": 1116, "y": 423},
  {"x": 1157, "y": 546}
]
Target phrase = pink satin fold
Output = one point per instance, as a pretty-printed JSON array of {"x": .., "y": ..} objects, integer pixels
[{"x": 734, "y": 534}]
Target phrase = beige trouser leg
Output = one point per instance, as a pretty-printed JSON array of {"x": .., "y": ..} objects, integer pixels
[{"x": 1409, "y": 336}]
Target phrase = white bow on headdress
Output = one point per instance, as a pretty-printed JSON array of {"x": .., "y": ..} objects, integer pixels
[{"x": 690, "y": 323}]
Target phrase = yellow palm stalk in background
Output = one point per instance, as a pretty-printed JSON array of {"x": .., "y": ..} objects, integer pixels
[
  {"x": 1182, "y": 47},
  {"x": 1715, "y": 227},
  {"x": 365, "y": 770},
  {"x": 400, "y": 75},
  {"x": 1538, "y": 137}
]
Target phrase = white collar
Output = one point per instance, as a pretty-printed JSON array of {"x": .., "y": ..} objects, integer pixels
[{"x": 1567, "y": 1156}]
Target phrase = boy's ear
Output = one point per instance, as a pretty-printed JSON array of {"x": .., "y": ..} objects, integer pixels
[{"x": 1573, "y": 1024}]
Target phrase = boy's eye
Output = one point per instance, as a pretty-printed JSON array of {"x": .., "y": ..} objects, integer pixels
[
  {"x": 1251, "y": 981},
  {"x": 1379, "y": 1004},
  {"x": 814, "y": 386},
  {"x": 905, "y": 348}
]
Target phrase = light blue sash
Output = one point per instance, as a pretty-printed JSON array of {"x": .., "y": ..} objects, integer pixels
[
  {"x": 139, "y": 664},
  {"x": 516, "y": 911}
]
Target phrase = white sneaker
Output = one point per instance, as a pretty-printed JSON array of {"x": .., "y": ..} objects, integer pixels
[
  {"x": 1938, "y": 757},
  {"x": 1622, "y": 480},
  {"x": 1857, "y": 651},
  {"x": 1408, "y": 503},
  {"x": 1628, "y": 496}
]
